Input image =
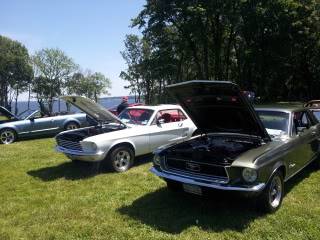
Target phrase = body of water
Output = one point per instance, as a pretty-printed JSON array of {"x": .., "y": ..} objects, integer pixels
[{"x": 107, "y": 102}]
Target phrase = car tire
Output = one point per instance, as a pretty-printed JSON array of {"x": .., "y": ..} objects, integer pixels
[
  {"x": 7, "y": 136},
  {"x": 120, "y": 159},
  {"x": 173, "y": 185},
  {"x": 271, "y": 198},
  {"x": 71, "y": 126}
]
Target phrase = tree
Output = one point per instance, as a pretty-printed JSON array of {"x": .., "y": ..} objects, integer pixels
[
  {"x": 270, "y": 47},
  {"x": 52, "y": 69},
  {"x": 15, "y": 71},
  {"x": 90, "y": 85}
]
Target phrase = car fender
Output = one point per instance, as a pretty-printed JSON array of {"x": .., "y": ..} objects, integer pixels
[
  {"x": 9, "y": 125},
  {"x": 122, "y": 141}
]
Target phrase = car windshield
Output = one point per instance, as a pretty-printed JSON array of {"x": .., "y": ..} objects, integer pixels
[
  {"x": 275, "y": 122},
  {"x": 136, "y": 116},
  {"x": 25, "y": 114}
]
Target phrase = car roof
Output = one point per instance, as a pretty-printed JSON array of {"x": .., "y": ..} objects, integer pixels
[{"x": 157, "y": 107}]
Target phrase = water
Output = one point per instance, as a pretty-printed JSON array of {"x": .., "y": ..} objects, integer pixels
[{"x": 107, "y": 102}]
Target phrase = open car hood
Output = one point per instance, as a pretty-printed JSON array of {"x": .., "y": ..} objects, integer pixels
[
  {"x": 218, "y": 106},
  {"x": 7, "y": 113},
  {"x": 94, "y": 110}
]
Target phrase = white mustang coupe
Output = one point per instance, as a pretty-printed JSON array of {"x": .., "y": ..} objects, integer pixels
[{"x": 115, "y": 141}]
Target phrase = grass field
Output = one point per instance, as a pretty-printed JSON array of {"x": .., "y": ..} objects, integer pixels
[{"x": 45, "y": 196}]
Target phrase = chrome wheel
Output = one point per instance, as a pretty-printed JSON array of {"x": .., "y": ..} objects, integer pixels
[
  {"x": 7, "y": 136},
  {"x": 122, "y": 160},
  {"x": 275, "y": 192},
  {"x": 71, "y": 126}
]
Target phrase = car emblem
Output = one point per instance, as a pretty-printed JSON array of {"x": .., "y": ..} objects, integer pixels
[{"x": 193, "y": 167}]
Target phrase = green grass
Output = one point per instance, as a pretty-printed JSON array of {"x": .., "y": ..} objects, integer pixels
[{"x": 44, "y": 196}]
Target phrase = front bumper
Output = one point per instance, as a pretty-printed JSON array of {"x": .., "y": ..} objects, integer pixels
[
  {"x": 214, "y": 185},
  {"x": 82, "y": 156}
]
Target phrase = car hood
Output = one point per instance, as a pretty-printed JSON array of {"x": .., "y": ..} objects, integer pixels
[
  {"x": 218, "y": 106},
  {"x": 94, "y": 110}
]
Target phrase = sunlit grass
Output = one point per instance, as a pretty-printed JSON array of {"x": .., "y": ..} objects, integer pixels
[{"x": 45, "y": 196}]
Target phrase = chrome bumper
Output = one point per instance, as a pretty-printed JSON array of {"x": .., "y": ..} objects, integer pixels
[
  {"x": 82, "y": 156},
  {"x": 182, "y": 179}
]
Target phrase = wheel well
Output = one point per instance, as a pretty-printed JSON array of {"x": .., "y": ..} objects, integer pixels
[
  {"x": 72, "y": 121},
  {"x": 283, "y": 170},
  {"x": 126, "y": 144}
]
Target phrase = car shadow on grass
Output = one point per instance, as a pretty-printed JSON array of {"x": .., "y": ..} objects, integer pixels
[
  {"x": 77, "y": 170},
  {"x": 66, "y": 170},
  {"x": 174, "y": 212}
]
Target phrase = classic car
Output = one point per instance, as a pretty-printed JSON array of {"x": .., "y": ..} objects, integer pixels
[
  {"x": 32, "y": 123},
  {"x": 115, "y": 141},
  {"x": 314, "y": 107},
  {"x": 239, "y": 149}
]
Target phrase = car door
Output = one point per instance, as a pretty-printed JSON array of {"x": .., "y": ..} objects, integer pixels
[
  {"x": 167, "y": 126},
  {"x": 304, "y": 143},
  {"x": 40, "y": 124}
]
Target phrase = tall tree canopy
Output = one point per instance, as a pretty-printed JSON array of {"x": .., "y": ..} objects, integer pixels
[
  {"x": 90, "y": 85},
  {"x": 53, "y": 68},
  {"x": 15, "y": 70},
  {"x": 270, "y": 47}
]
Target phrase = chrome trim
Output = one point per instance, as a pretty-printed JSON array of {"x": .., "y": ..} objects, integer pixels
[
  {"x": 76, "y": 152},
  {"x": 255, "y": 188},
  {"x": 195, "y": 175}
]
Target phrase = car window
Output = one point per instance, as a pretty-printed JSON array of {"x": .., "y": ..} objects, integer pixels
[
  {"x": 169, "y": 116},
  {"x": 316, "y": 114},
  {"x": 275, "y": 122},
  {"x": 136, "y": 116},
  {"x": 301, "y": 119}
]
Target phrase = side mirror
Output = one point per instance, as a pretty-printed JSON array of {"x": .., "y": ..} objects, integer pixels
[
  {"x": 301, "y": 129},
  {"x": 32, "y": 119}
]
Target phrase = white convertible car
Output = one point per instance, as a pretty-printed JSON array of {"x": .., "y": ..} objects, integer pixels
[{"x": 116, "y": 141}]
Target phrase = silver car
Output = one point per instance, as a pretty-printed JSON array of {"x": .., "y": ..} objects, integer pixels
[
  {"x": 33, "y": 123},
  {"x": 116, "y": 141}
]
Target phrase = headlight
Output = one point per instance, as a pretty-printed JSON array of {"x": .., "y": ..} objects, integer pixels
[
  {"x": 249, "y": 175},
  {"x": 156, "y": 160},
  {"x": 89, "y": 146}
]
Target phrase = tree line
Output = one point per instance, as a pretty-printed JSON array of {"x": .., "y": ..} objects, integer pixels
[
  {"x": 46, "y": 75},
  {"x": 269, "y": 47}
]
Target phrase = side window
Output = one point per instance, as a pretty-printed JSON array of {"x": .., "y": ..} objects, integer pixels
[
  {"x": 301, "y": 120},
  {"x": 169, "y": 116}
]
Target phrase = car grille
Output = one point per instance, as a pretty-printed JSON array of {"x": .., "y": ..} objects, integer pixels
[
  {"x": 197, "y": 169},
  {"x": 69, "y": 144}
]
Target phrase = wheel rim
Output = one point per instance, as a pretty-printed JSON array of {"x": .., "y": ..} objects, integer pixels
[
  {"x": 71, "y": 126},
  {"x": 275, "y": 192},
  {"x": 122, "y": 160},
  {"x": 7, "y": 137}
]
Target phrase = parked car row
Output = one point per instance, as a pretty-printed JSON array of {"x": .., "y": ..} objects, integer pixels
[{"x": 214, "y": 139}]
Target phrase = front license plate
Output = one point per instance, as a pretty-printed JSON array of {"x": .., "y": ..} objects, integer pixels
[{"x": 194, "y": 189}]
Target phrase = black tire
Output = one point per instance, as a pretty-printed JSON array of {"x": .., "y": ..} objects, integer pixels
[
  {"x": 173, "y": 185},
  {"x": 8, "y": 136},
  {"x": 120, "y": 159},
  {"x": 71, "y": 125},
  {"x": 271, "y": 198}
]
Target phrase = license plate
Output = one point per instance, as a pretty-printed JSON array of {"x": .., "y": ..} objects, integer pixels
[{"x": 194, "y": 189}]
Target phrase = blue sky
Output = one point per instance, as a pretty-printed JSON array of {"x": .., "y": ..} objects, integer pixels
[{"x": 91, "y": 32}]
